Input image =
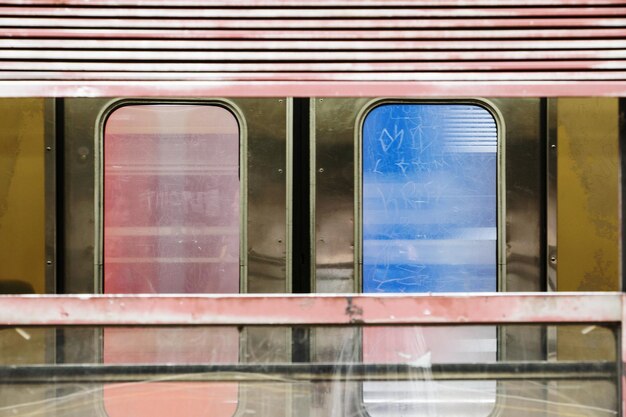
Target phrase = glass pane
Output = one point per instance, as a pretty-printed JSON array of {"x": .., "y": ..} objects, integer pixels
[
  {"x": 272, "y": 385},
  {"x": 171, "y": 225},
  {"x": 429, "y": 199},
  {"x": 171, "y": 200},
  {"x": 429, "y": 224}
]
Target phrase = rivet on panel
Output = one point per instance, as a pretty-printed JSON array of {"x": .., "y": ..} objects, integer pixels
[{"x": 83, "y": 151}]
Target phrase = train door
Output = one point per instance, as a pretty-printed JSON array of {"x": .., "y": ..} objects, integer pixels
[
  {"x": 411, "y": 196},
  {"x": 175, "y": 196}
]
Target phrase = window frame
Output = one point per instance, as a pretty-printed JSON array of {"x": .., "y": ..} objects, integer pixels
[
  {"x": 500, "y": 181},
  {"x": 101, "y": 121}
]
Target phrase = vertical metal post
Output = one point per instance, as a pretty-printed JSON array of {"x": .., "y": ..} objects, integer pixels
[
  {"x": 551, "y": 194},
  {"x": 50, "y": 224},
  {"x": 550, "y": 118},
  {"x": 50, "y": 207},
  {"x": 300, "y": 192},
  {"x": 50, "y": 186},
  {"x": 622, "y": 190},
  {"x": 300, "y": 227},
  {"x": 621, "y": 380},
  {"x": 312, "y": 185},
  {"x": 622, "y": 339},
  {"x": 551, "y": 215}
]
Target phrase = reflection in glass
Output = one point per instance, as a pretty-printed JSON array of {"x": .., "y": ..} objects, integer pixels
[
  {"x": 171, "y": 225},
  {"x": 429, "y": 225},
  {"x": 429, "y": 199},
  {"x": 33, "y": 384},
  {"x": 171, "y": 200}
]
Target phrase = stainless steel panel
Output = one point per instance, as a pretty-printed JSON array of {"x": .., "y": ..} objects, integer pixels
[
  {"x": 551, "y": 193},
  {"x": 333, "y": 129},
  {"x": 551, "y": 215},
  {"x": 334, "y": 122},
  {"x": 81, "y": 274},
  {"x": 333, "y": 135},
  {"x": 267, "y": 235},
  {"x": 524, "y": 138},
  {"x": 266, "y": 232},
  {"x": 79, "y": 199}
]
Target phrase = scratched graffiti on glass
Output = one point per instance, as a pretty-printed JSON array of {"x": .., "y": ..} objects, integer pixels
[{"x": 429, "y": 198}]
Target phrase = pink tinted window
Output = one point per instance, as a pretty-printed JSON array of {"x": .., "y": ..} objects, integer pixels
[
  {"x": 171, "y": 200},
  {"x": 171, "y": 225}
]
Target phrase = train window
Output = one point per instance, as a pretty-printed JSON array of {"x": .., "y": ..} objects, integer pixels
[
  {"x": 171, "y": 200},
  {"x": 171, "y": 225},
  {"x": 429, "y": 223},
  {"x": 429, "y": 198}
]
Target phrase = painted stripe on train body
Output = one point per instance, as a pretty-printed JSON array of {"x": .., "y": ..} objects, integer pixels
[
  {"x": 321, "y": 33},
  {"x": 416, "y": 10},
  {"x": 70, "y": 88},
  {"x": 334, "y": 3}
]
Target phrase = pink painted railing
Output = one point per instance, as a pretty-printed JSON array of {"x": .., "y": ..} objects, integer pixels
[
  {"x": 310, "y": 309},
  {"x": 313, "y": 309}
]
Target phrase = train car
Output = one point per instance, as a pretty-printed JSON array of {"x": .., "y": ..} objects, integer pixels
[{"x": 399, "y": 190}]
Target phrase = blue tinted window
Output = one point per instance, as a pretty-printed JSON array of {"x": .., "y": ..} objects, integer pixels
[{"x": 429, "y": 198}]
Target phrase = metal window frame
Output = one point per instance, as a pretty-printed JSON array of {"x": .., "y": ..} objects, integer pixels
[
  {"x": 101, "y": 122},
  {"x": 500, "y": 173}
]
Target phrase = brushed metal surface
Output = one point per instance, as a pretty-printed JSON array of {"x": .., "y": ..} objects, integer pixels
[
  {"x": 520, "y": 189},
  {"x": 333, "y": 136},
  {"x": 334, "y": 139},
  {"x": 265, "y": 230},
  {"x": 267, "y": 209},
  {"x": 264, "y": 233}
]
